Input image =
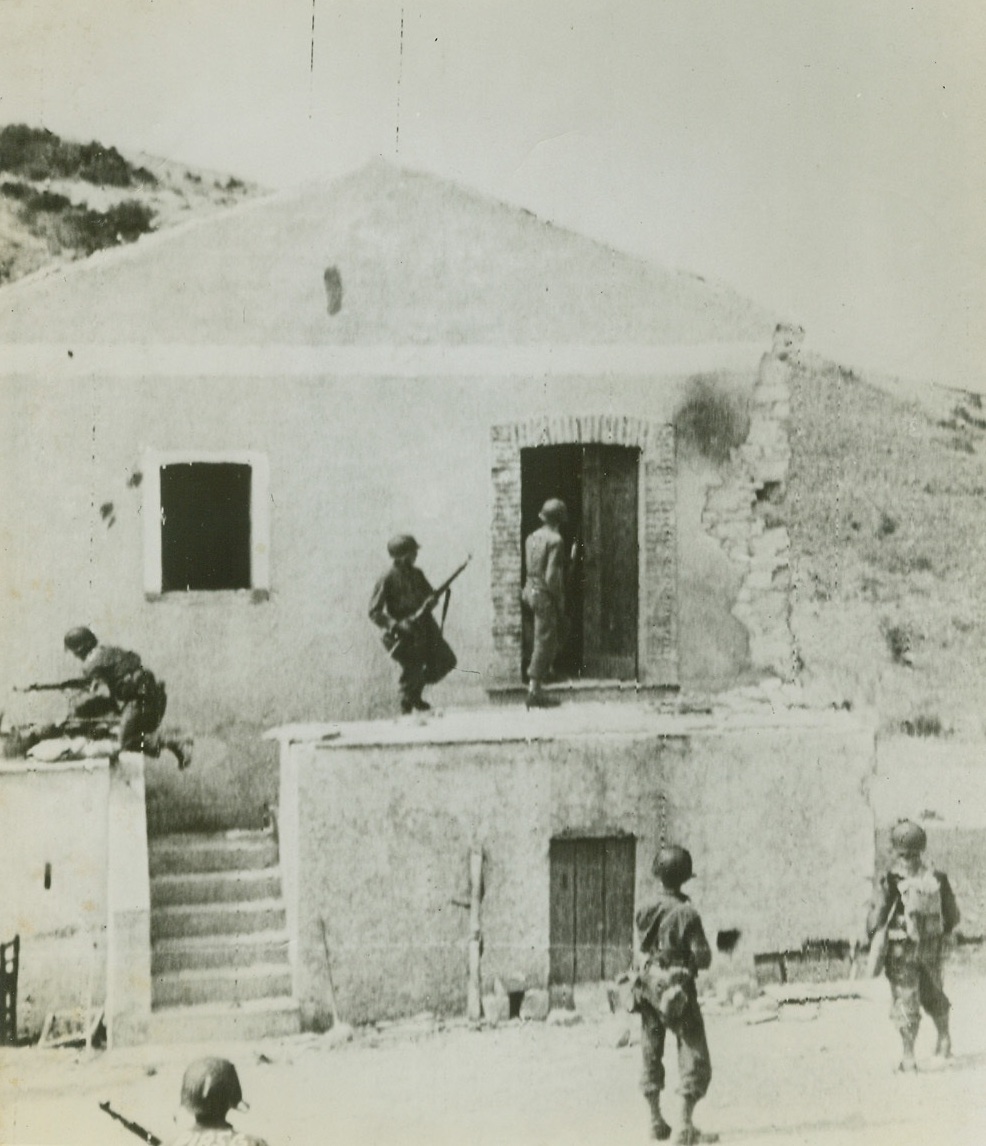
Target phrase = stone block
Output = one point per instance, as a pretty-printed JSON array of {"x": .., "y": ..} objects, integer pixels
[
  {"x": 496, "y": 1008},
  {"x": 535, "y": 1006},
  {"x": 564, "y": 1018}
]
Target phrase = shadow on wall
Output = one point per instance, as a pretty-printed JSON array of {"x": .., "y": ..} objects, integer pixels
[
  {"x": 711, "y": 422},
  {"x": 229, "y": 785}
]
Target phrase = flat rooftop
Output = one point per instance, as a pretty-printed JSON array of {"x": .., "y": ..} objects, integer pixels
[{"x": 573, "y": 720}]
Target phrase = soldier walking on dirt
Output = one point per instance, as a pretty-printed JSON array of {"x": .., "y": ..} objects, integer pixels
[
  {"x": 673, "y": 949},
  {"x": 414, "y": 641},
  {"x": 210, "y": 1089},
  {"x": 914, "y": 912},
  {"x": 544, "y": 596}
]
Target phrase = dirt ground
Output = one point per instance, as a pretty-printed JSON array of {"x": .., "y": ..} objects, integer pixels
[{"x": 814, "y": 1075}]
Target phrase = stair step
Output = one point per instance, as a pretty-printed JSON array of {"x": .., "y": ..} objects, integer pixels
[
  {"x": 221, "y": 985},
  {"x": 221, "y": 851},
  {"x": 215, "y": 887},
  {"x": 217, "y": 919},
  {"x": 219, "y": 1022},
  {"x": 208, "y": 951}
]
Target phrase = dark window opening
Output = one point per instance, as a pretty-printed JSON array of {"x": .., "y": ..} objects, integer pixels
[
  {"x": 599, "y": 486},
  {"x": 726, "y": 940},
  {"x": 205, "y": 526}
]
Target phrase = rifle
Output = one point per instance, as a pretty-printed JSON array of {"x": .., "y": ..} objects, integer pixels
[
  {"x": 393, "y": 637},
  {"x": 134, "y": 1127},
  {"x": 57, "y": 686}
]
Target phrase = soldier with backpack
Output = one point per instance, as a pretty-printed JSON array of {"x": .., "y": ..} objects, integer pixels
[
  {"x": 916, "y": 908},
  {"x": 673, "y": 949}
]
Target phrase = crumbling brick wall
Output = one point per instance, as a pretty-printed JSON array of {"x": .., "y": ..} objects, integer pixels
[{"x": 737, "y": 513}]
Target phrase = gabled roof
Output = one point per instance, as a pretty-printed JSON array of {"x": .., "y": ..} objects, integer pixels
[{"x": 421, "y": 261}]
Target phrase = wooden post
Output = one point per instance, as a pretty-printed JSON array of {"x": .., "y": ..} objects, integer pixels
[{"x": 474, "y": 1006}]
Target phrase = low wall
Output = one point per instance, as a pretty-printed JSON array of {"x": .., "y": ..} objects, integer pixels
[
  {"x": 73, "y": 853},
  {"x": 377, "y": 825}
]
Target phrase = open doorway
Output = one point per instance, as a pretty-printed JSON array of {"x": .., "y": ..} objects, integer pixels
[{"x": 599, "y": 486}]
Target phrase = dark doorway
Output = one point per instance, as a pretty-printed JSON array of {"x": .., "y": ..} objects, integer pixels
[
  {"x": 205, "y": 526},
  {"x": 599, "y": 486},
  {"x": 591, "y": 897}
]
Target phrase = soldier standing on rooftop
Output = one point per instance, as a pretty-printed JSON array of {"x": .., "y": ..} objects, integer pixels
[
  {"x": 544, "y": 596},
  {"x": 417, "y": 645}
]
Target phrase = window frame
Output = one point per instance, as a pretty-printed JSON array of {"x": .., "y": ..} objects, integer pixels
[{"x": 154, "y": 461}]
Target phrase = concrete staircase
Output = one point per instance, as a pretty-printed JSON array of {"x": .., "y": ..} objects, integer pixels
[{"x": 219, "y": 945}]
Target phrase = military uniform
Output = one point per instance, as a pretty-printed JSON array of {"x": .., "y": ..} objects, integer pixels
[
  {"x": 130, "y": 693},
  {"x": 671, "y": 935},
  {"x": 138, "y": 697},
  {"x": 544, "y": 595},
  {"x": 216, "y": 1136},
  {"x": 423, "y": 653},
  {"x": 922, "y": 911}
]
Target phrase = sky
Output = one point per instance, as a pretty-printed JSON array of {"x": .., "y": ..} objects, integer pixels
[{"x": 825, "y": 159}]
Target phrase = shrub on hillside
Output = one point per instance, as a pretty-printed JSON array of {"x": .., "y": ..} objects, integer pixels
[
  {"x": 36, "y": 153},
  {"x": 93, "y": 230},
  {"x": 711, "y": 422}
]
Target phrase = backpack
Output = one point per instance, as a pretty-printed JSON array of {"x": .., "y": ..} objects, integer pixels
[{"x": 920, "y": 896}]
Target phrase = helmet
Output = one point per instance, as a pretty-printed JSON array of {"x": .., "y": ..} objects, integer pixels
[
  {"x": 906, "y": 836},
  {"x": 402, "y": 545},
  {"x": 554, "y": 511},
  {"x": 80, "y": 640},
  {"x": 210, "y": 1088},
  {"x": 673, "y": 865}
]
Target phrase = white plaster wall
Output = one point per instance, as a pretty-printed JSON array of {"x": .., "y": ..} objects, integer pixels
[
  {"x": 774, "y": 812},
  {"x": 352, "y": 461},
  {"x": 55, "y": 814}
]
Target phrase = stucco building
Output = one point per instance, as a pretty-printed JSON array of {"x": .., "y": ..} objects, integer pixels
[{"x": 208, "y": 438}]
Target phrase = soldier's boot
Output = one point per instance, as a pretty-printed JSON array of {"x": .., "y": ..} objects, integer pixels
[
  {"x": 907, "y": 1061},
  {"x": 943, "y": 1048},
  {"x": 689, "y": 1134},
  {"x": 660, "y": 1131}
]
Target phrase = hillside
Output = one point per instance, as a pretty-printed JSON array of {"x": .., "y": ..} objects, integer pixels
[
  {"x": 885, "y": 512},
  {"x": 61, "y": 200}
]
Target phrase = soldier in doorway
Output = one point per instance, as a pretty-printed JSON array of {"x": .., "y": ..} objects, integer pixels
[
  {"x": 544, "y": 597},
  {"x": 122, "y": 689},
  {"x": 673, "y": 949},
  {"x": 916, "y": 906},
  {"x": 416, "y": 644},
  {"x": 210, "y": 1090}
]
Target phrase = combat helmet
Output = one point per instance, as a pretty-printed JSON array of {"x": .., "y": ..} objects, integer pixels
[
  {"x": 554, "y": 511},
  {"x": 210, "y": 1088},
  {"x": 673, "y": 865},
  {"x": 907, "y": 837},
  {"x": 402, "y": 545},
  {"x": 80, "y": 640}
]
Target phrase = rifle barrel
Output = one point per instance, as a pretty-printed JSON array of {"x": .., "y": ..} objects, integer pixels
[{"x": 134, "y": 1127}]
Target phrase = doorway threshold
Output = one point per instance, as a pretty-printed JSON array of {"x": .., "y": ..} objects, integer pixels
[{"x": 583, "y": 689}]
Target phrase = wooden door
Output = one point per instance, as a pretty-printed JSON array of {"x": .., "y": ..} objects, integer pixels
[
  {"x": 610, "y": 562},
  {"x": 591, "y": 904}
]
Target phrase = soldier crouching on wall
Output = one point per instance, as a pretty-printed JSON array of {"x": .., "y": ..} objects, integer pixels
[
  {"x": 914, "y": 912},
  {"x": 121, "y": 687},
  {"x": 674, "y": 949}
]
